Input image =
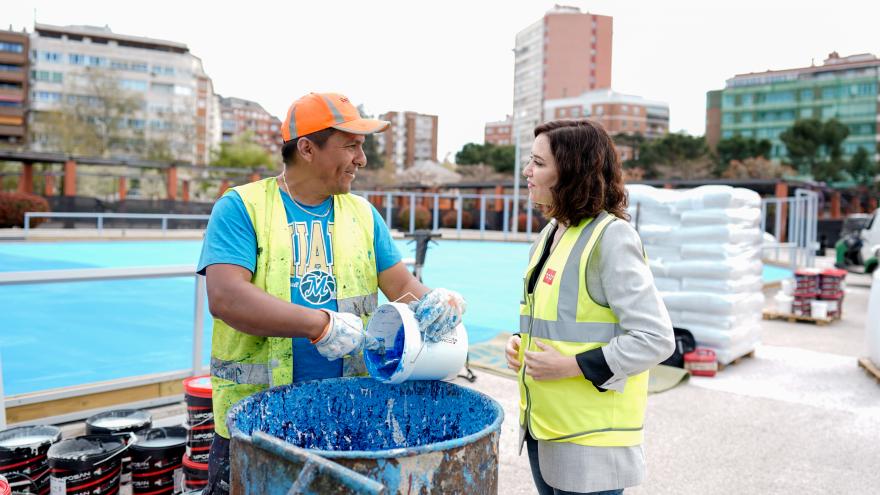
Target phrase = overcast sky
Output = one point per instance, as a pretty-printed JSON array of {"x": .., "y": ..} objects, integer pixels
[{"x": 454, "y": 58}]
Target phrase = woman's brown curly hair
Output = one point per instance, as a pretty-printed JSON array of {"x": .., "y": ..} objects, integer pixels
[{"x": 590, "y": 178}]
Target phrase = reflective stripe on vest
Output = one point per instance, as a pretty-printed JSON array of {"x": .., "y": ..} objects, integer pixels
[
  {"x": 243, "y": 364},
  {"x": 561, "y": 313}
]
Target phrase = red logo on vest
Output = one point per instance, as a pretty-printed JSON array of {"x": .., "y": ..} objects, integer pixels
[{"x": 549, "y": 276}]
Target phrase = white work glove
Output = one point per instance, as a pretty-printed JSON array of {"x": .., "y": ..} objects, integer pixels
[
  {"x": 344, "y": 335},
  {"x": 438, "y": 313}
]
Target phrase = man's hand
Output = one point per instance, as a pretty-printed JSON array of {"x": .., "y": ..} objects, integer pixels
[
  {"x": 438, "y": 313},
  {"x": 511, "y": 352},
  {"x": 549, "y": 364},
  {"x": 343, "y": 335}
]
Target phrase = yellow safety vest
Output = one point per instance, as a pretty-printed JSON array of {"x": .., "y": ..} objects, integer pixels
[
  {"x": 243, "y": 364},
  {"x": 561, "y": 313}
]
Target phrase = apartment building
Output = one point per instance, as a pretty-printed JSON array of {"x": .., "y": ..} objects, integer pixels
[
  {"x": 14, "y": 87},
  {"x": 411, "y": 138},
  {"x": 240, "y": 116},
  {"x": 499, "y": 132}
]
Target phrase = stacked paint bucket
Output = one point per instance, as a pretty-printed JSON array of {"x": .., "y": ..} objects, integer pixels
[
  {"x": 805, "y": 291},
  {"x": 200, "y": 430},
  {"x": 157, "y": 461},
  {"x": 120, "y": 422},
  {"x": 4, "y": 486},
  {"x": 88, "y": 465},
  {"x": 831, "y": 285},
  {"x": 23, "y": 462}
]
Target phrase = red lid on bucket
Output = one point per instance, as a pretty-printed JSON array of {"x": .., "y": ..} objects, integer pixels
[
  {"x": 198, "y": 386},
  {"x": 4, "y": 486},
  {"x": 198, "y": 466}
]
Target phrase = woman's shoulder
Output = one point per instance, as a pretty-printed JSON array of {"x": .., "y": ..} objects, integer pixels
[{"x": 620, "y": 234}]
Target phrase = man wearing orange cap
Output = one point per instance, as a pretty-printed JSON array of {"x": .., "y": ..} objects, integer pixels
[{"x": 294, "y": 264}]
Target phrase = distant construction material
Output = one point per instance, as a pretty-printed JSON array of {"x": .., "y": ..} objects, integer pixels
[{"x": 704, "y": 248}]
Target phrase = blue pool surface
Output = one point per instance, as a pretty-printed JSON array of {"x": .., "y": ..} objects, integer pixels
[{"x": 56, "y": 335}]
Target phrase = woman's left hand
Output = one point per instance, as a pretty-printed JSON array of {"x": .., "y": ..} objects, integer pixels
[{"x": 549, "y": 364}]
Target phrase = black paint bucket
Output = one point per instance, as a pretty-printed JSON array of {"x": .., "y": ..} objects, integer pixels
[
  {"x": 199, "y": 406},
  {"x": 195, "y": 474},
  {"x": 120, "y": 421},
  {"x": 23, "y": 457},
  {"x": 157, "y": 461},
  {"x": 198, "y": 442},
  {"x": 87, "y": 465},
  {"x": 200, "y": 417}
]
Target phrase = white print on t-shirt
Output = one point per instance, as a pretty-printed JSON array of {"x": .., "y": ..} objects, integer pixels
[{"x": 312, "y": 266}]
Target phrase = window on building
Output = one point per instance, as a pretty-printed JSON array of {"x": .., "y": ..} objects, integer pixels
[
  {"x": 139, "y": 67},
  {"x": 182, "y": 90},
  {"x": 11, "y": 47},
  {"x": 133, "y": 85},
  {"x": 10, "y": 68},
  {"x": 162, "y": 88},
  {"x": 780, "y": 97},
  {"x": 727, "y": 118},
  {"x": 51, "y": 57},
  {"x": 76, "y": 59},
  {"x": 806, "y": 95},
  {"x": 96, "y": 61},
  {"x": 745, "y": 117},
  {"x": 831, "y": 92},
  {"x": 47, "y": 96}
]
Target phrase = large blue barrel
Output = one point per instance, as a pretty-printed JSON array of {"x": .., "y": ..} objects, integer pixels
[{"x": 413, "y": 437}]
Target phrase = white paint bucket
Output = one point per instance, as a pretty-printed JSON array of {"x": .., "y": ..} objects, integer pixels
[
  {"x": 404, "y": 356},
  {"x": 783, "y": 303},
  {"x": 787, "y": 286},
  {"x": 818, "y": 309}
]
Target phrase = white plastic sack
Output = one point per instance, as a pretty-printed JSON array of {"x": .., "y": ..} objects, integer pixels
[
  {"x": 655, "y": 234},
  {"x": 665, "y": 284},
  {"x": 724, "y": 270},
  {"x": 748, "y": 283},
  {"x": 719, "y": 251},
  {"x": 651, "y": 197},
  {"x": 658, "y": 268},
  {"x": 727, "y": 354},
  {"x": 664, "y": 253},
  {"x": 717, "y": 197},
  {"x": 689, "y": 319},
  {"x": 723, "y": 339},
  {"x": 705, "y": 234},
  {"x": 716, "y": 304},
  {"x": 744, "y": 217}
]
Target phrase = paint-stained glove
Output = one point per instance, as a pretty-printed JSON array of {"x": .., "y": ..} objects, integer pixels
[
  {"x": 344, "y": 335},
  {"x": 438, "y": 313}
]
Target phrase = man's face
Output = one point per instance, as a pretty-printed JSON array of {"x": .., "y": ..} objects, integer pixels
[{"x": 336, "y": 164}]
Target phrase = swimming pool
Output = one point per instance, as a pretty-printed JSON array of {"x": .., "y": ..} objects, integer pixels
[{"x": 62, "y": 334}]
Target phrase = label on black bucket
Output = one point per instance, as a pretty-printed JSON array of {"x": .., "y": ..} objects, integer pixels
[{"x": 58, "y": 486}]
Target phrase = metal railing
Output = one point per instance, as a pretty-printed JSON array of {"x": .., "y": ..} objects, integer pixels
[
  {"x": 100, "y": 217},
  {"x": 103, "y": 274},
  {"x": 793, "y": 222}
]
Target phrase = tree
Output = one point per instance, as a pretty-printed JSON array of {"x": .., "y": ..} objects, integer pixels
[
  {"x": 632, "y": 141},
  {"x": 756, "y": 168},
  {"x": 675, "y": 156},
  {"x": 94, "y": 116},
  {"x": 375, "y": 158},
  {"x": 242, "y": 151},
  {"x": 862, "y": 168},
  {"x": 500, "y": 157},
  {"x": 814, "y": 147},
  {"x": 740, "y": 148}
]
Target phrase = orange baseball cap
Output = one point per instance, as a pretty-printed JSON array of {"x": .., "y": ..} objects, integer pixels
[{"x": 317, "y": 111}]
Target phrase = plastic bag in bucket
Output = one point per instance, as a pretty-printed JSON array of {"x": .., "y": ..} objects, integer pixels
[{"x": 402, "y": 354}]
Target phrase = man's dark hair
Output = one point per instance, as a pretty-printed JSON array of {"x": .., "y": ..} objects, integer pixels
[
  {"x": 590, "y": 178},
  {"x": 288, "y": 150}
]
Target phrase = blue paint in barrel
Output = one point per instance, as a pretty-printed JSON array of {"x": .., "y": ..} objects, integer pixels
[{"x": 413, "y": 436}]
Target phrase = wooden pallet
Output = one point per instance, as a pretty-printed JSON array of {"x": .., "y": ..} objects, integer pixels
[
  {"x": 870, "y": 367},
  {"x": 750, "y": 354},
  {"x": 772, "y": 315}
]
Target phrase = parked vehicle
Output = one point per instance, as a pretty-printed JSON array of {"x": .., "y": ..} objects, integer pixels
[{"x": 858, "y": 249}]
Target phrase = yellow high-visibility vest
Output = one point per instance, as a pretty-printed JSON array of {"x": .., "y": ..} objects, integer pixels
[
  {"x": 243, "y": 364},
  {"x": 560, "y": 313}
]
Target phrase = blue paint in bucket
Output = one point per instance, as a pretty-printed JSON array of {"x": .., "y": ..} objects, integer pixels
[
  {"x": 385, "y": 361},
  {"x": 381, "y": 430}
]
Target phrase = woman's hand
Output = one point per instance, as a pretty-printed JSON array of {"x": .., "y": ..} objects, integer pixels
[
  {"x": 511, "y": 352},
  {"x": 549, "y": 364}
]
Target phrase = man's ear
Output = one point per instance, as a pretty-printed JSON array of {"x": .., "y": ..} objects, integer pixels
[{"x": 306, "y": 149}]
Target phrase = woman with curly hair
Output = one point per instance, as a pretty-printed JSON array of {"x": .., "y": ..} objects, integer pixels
[{"x": 591, "y": 322}]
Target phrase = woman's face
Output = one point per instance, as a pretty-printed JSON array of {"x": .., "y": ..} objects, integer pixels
[{"x": 541, "y": 173}]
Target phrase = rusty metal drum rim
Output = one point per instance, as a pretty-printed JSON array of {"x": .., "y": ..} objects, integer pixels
[{"x": 380, "y": 454}]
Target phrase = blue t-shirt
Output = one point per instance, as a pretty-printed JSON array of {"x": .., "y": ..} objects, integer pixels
[{"x": 230, "y": 239}]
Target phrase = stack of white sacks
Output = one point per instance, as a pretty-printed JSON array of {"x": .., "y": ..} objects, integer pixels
[{"x": 704, "y": 249}]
